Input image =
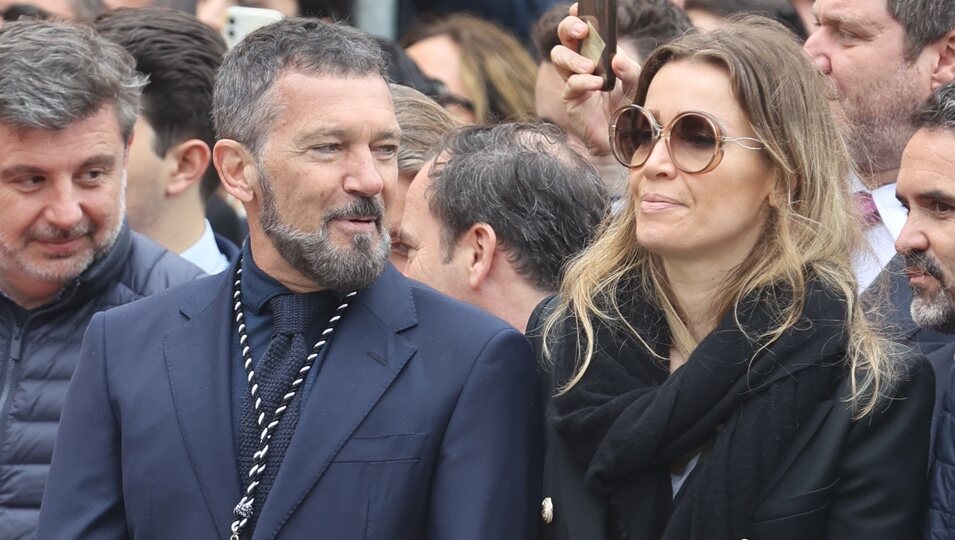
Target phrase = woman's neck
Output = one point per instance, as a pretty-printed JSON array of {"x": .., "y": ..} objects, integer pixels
[{"x": 695, "y": 287}]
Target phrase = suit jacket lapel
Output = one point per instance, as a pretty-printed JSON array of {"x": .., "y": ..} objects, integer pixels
[
  {"x": 363, "y": 358},
  {"x": 197, "y": 360}
]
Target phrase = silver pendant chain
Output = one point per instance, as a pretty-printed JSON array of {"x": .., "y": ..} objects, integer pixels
[{"x": 243, "y": 510}]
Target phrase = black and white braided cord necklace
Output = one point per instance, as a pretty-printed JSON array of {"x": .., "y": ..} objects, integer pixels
[{"x": 243, "y": 510}]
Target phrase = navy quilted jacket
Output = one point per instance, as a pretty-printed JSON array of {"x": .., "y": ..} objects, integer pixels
[
  {"x": 941, "y": 500},
  {"x": 37, "y": 357}
]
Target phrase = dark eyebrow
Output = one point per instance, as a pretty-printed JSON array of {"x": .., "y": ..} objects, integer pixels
[
  {"x": 935, "y": 195},
  {"x": 105, "y": 161},
  {"x": 19, "y": 170},
  {"x": 391, "y": 134}
]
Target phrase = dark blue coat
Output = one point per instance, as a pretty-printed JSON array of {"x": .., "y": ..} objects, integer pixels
[
  {"x": 40, "y": 354},
  {"x": 423, "y": 423},
  {"x": 941, "y": 499}
]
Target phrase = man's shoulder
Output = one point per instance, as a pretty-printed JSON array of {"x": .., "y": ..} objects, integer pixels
[
  {"x": 151, "y": 268},
  {"x": 191, "y": 294},
  {"x": 436, "y": 310}
]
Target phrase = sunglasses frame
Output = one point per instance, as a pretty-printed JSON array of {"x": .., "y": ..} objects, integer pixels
[{"x": 661, "y": 132}]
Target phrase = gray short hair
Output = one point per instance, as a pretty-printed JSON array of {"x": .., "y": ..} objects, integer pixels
[
  {"x": 938, "y": 111},
  {"x": 423, "y": 124},
  {"x": 53, "y": 74},
  {"x": 925, "y": 22},
  {"x": 543, "y": 200},
  {"x": 243, "y": 106}
]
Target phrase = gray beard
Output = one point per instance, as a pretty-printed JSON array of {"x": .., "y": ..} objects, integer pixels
[
  {"x": 320, "y": 260},
  {"x": 933, "y": 312}
]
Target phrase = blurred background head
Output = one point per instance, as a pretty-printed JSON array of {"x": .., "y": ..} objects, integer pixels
[{"x": 483, "y": 66}]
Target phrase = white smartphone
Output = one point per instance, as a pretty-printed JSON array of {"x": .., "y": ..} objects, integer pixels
[{"x": 241, "y": 21}]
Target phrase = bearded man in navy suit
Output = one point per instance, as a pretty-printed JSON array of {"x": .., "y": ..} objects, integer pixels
[{"x": 310, "y": 391}]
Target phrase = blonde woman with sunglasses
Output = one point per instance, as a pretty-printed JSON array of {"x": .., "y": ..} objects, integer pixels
[{"x": 713, "y": 374}]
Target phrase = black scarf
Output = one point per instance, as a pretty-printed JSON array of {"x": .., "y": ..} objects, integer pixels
[{"x": 627, "y": 421}]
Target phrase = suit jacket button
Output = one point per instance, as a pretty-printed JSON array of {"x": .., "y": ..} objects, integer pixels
[{"x": 547, "y": 510}]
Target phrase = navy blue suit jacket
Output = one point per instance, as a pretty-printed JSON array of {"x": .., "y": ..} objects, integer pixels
[{"x": 424, "y": 423}]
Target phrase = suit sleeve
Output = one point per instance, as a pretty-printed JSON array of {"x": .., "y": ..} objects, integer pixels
[
  {"x": 488, "y": 475},
  {"x": 83, "y": 497},
  {"x": 883, "y": 480}
]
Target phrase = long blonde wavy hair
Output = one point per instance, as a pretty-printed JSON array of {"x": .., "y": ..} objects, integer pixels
[{"x": 812, "y": 230}]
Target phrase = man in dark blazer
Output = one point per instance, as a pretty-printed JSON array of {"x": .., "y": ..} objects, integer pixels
[
  {"x": 926, "y": 244},
  {"x": 200, "y": 413}
]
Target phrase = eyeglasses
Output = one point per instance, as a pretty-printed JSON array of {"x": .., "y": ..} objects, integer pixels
[{"x": 694, "y": 139}]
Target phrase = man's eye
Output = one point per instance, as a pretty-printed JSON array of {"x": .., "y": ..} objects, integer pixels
[
  {"x": 30, "y": 181},
  {"x": 92, "y": 176},
  {"x": 845, "y": 35},
  {"x": 387, "y": 151},
  {"x": 941, "y": 208},
  {"x": 399, "y": 248},
  {"x": 326, "y": 148}
]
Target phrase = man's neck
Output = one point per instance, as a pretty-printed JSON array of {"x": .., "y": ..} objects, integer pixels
[
  {"x": 512, "y": 299},
  {"x": 180, "y": 226},
  {"x": 30, "y": 293},
  {"x": 271, "y": 262}
]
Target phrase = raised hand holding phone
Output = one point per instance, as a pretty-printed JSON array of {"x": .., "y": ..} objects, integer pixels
[{"x": 589, "y": 108}]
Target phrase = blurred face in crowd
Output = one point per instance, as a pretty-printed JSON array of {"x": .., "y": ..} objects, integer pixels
[
  {"x": 62, "y": 195},
  {"x": 439, "y": 57},
  {"x": 328, "y": 159},
  {"x": 58, "y": 8},
  {"x": 926, "y": 188},
  {"x": 717, "y": 215},
  {"x": 394, "y": 209},
  {"x": 421, "y": 235},
  {"x": 861, "y": 47}
]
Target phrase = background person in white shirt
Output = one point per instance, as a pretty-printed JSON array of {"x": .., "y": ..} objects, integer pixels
[{"x": 170, "y": 173}]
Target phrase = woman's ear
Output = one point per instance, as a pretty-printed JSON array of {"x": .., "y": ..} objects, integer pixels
[{"x": 780, "y": 194}]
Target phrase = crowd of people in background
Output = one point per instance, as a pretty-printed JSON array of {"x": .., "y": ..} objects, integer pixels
[{"x": 403, "y": 269}]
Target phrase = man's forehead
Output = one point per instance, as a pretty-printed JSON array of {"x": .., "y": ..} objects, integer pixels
[
  {"x": 929, "y": 158},
  {"x": 847, "y": 11}
]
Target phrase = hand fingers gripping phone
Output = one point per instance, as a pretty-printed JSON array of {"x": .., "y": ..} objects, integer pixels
[
  {"x": 241, "y": 21},
  {"x": 601, "y": 42}
]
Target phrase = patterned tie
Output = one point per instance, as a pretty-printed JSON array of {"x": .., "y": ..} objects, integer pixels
[
  {"x": 867, "y": 209},
  {"x": 292, "y": 315}
]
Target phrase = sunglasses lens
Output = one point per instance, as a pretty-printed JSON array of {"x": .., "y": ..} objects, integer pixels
[
  {"x": 693, "y": 141},
  {"x": 633, "y": 137}
]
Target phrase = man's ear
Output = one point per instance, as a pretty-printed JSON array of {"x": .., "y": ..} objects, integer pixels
[
  {"x": 480, "y": 247},
  {"x": 236, "y": 169},
  {"x": 944, "y": 72},
  {"x": 190, "y": 159}
]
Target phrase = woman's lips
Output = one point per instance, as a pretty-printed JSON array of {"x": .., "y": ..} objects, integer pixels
[{"x": 656, "y": 203}]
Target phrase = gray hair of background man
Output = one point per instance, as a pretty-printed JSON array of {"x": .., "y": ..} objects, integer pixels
[
  {"x": 244, "y": 104},
  {"x": 543, "y": 200},
  {"x": 423, "y": 124},
  {"x": 53, "y": 74},
  {"x": 925, "y": 22},
  {"x": 938, "y": 111}
]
